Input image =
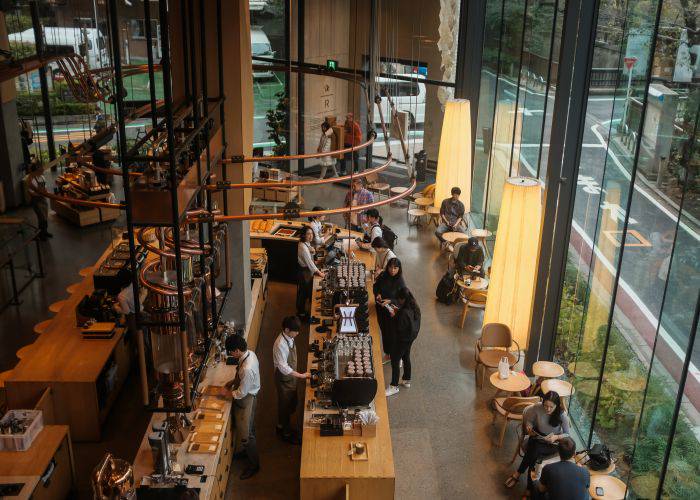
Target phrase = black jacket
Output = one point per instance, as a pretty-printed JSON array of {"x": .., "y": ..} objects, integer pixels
[
  {"x": 466, "y": 258},
  {"x": 406, "y": 324},
  {"x": 387, "y": 286}
]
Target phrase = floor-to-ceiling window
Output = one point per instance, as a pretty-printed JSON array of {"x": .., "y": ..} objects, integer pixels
[
  {"x": 518, "y": 78},
  {"x": 632, "y": 279}
]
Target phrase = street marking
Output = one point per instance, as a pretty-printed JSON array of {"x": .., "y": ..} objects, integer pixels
[
  {"x": 618, "y": 163},
  {"x": 635, "y": 298}
]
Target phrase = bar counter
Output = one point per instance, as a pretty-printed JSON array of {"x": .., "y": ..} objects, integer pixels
[{"x": 327, "y": 472}]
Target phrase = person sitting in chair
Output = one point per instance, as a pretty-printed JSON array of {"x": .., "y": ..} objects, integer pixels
[
  {"x": 564, "y": 480},
  {"x": 451, "y": 215},
  {"x": 470, "y": 259}
]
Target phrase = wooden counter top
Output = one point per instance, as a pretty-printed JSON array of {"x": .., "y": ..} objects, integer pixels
[
  {"x": 326, "y": 469},
  {"x": 60, "y": 354},
  {"x": 217, "y": 374},
  {"x": 33, "y": 462}
]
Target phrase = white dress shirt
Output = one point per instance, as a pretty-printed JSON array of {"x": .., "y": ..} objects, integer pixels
[
  {"x": 249, "y": 373},
  {"x": 126, "y": 300},
  {"x": 280, "y": 353},
  {"x": 305, "y": 258},
  {"x": 316, "y": 226}
]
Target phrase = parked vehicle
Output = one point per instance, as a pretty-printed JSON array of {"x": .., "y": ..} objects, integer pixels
[
  {"x": 407, "y": 96},
  {"x": 260, "y": 46},
  {"x": 87, "y": 42},
  {"x": 257, "y": 5}
]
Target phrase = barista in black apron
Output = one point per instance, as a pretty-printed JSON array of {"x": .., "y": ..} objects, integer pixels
[
  {"x": 286, "y": 376},
  {"x": 307, "y": 270},
  {"x": 244, "y": 389}
]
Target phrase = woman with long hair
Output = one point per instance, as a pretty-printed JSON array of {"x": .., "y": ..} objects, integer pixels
[
  {"x": 307, "y": 270},
  {"x": 385, "y": 288},
  {"x": 406, "y": 325},
  {"x": 545, "y": 424}
]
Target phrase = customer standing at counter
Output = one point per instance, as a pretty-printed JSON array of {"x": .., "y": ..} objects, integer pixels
[
  {"x": 284, "y": 354},
  {"x": 358, "y": 195},
  {"x": 382, "y": 254},
  {"x": 385, "y": 289},
  {"x": 406, "y": 325},
  {"x": 307, "y": 270},
  {"x": 244, "y": 390},
  {"x": 372, "y": 229}
]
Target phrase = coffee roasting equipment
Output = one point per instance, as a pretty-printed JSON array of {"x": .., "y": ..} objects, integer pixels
[{"x": 113, "y": 479}]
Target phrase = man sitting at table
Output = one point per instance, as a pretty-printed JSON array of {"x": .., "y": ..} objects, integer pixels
[
  {"x": 451, "y": 215},
  {"x": 564, "y": 480},
  {"x": 470, "y": 259}
]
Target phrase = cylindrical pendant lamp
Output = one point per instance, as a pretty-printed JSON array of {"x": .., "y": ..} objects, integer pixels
[
  {"x": 454, "y": 168},
  {"x": 514, "y": 266}
]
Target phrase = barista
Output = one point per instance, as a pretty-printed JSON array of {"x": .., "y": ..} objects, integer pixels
[
  {"x": 306, "y": 271},
  {"x": 244, "y": 390},
  {"x": 284, "y": 354},
  {"x": 372, "y": 229},
  {"x": 125, "y": 304}
]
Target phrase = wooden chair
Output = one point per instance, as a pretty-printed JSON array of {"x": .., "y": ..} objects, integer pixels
[
  {"x": 512, "y": 409},
  {"x": 474, "y": 299},
  {"x": 375, "y": 184},
  {"x": 495, "y": 342}
]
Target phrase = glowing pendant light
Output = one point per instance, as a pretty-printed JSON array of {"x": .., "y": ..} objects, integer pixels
[
  {"x": 454, "y": 168},
  {"x": 514, "y": 267}
]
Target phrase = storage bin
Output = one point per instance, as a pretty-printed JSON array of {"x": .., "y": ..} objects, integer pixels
[{"x": 21, "y": 442}]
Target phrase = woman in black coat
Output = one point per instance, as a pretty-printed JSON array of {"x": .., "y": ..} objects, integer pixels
[
  {"x": 406, "y": 325},
  {"x": 386, "y": 286}
]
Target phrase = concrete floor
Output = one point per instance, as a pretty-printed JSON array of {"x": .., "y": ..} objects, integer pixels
[{"x": 441, "y": 427}]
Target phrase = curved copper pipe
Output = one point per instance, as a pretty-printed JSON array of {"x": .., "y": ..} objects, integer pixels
[
  {"x": 310, "y": 182},
  {"x": 330, "y": 211},
  {"x": 250, "y": 159}
]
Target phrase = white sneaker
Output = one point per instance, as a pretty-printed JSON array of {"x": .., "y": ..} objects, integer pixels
[
  {"x": 391, "y": 390},
  {"x": 405, "y": 383},
  {"x": 401, "y": 363}
]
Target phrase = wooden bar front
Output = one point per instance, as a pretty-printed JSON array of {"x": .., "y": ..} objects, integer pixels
[{"x": 327, "y": 472}]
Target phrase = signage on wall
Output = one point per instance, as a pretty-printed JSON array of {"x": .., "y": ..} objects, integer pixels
[{"x": 331, "y": 64}]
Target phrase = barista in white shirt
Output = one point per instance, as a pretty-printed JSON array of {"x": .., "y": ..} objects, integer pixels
[
  {"x": 316, "y": 223},
  {"x": 244, "y": 389},
  {"x": 284, "y": 355}
]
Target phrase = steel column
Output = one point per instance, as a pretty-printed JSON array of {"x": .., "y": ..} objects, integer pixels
[{"x": 43, "y": 82}]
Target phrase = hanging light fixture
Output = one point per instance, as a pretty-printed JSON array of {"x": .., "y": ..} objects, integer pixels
[
  {"x": 514, "y": 266},
  {"x": 454, "y": 167}
]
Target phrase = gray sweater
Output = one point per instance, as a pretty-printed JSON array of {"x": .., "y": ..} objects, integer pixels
[{"x": 536, "y": 416}]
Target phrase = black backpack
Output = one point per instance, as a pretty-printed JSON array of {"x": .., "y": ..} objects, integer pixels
[
  {"x": 389, "y": 236},
  {"x": 446, "y": 290},
  {"x": 599, "y": 457}
]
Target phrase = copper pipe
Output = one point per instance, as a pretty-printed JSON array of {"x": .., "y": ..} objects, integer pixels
[
  {"x": 250, "y": 159},
  {"x": 330, "y": 211},
  {"x": 161, "y": 290},
  {"x": 310, "y": 182},
  {"x": 142, "y": 366},
  {"x": 185, "y": 351}
]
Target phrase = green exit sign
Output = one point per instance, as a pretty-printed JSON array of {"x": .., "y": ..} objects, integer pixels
[{"x": 331, "y": 64}]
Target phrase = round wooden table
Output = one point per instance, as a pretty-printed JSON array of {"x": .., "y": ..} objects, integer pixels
[
  {"x": 481, "y": 235},
  {"x": 434, "y": 213},
  {"x": 455, "y": 236},
  {"x": 561, "y": 387},
  {"x": 613, "y": 488},
  {"x": 547, "y": 369},
  {"x": 415, "y": 216},
  {"x": 475, "y": 285},
  {"x": 516, "y": 382},
  {"x": 423, "y": 202}
]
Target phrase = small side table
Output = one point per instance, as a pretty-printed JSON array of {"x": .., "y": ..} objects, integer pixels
[
  {"x": 613, "y": 488},
  {"x": 516, "y": 382},
  {"x": 481, "y": 235},
  {"x": 547, "y": 369}
]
